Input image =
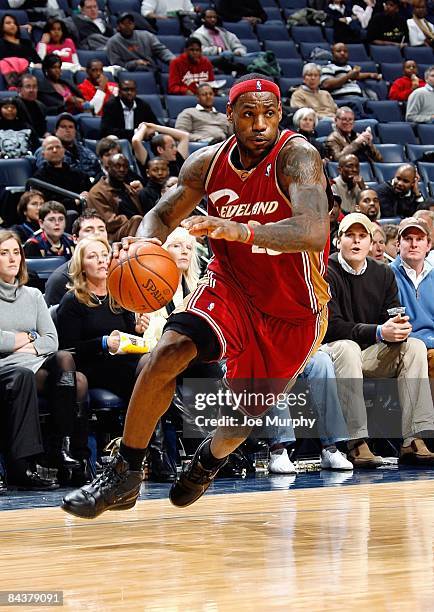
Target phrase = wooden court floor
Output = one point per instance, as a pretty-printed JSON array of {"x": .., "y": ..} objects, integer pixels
[{"x": 364, "y": 547}]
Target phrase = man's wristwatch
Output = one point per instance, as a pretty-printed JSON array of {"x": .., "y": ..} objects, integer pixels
[{"x": 32, "y": 335}]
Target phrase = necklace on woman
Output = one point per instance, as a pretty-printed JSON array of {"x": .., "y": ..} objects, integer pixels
[{"x": 98, "y": 298}]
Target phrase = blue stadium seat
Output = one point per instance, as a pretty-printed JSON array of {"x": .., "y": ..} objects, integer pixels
[
  {"x": 361, "y": 124},
  {"x": 168, "y": 27},
  {"x": 416, "y": 151},
  {"x": 287, "y": 83},
  {"x": 425, "y": 131},
  {"x": 293, "y": 4},
  {"x": 386, "y": 53},
  {"x": 385, "y": 172},
  {"x": 307, "y": 34},
  {"x": 367, "y": 66},
  {"x": 44, "y": 266},
  {"x": 155, "y": 103},
  {"x": 421, "y": 55},
  {"x": 242, "y": 29},
  {"x": 219, "y": 103},
  {"x": 15, "y": 172},
  {"x": 357, "y": 53},
  {"x": 392, "y": 153},
  {"x": 426, "y": 171},
  {"x": 384, "y": 110},
  {"x": 175, "y": 44},
  {"x": 21, "y": 16},
  {"x": 324, "y": 127},
  {"x": 284, "y": 49},
  {"x": 391, "y": 72},
  {"x": 365, "y": 171},
  {"x": 89, "y": 126},
  {"x": 329, "y": 34},
  {"x": 176, "y": 104},
  {"x": 291, "y": 68},
  {"x": 431, "y": 188},
  {"x": 272, "y": 32},
  {"x": 252, "y": 45},
  {"x": 307, "y": 48},
  {"x": 85, "y": 56},
  {"x": 273, "y": 13},
  {"x": 120, "y": 6},
  {"x": 66, "y": 74},
  {"x": 397, "y": 133},
  {"x": 145, "y": 81}
]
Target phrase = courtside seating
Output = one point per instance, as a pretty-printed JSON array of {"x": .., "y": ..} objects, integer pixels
[
  {"x": 425, "y": 131},
  {"x": 155, "y": 103},
  {"x": 421, "y": 55},
  {"x": 392, "y": 153},
  {"x": 384, "y": 110},
  {"x": 397, "y": 133},
  {"x": 416, "y": 151},
  {"x": 426, "y": 171},
  {"x": 391, "y": 72},
  {"x": 272, "y": 31},
  {"x": 381, "y": 54},
  {"x": 385, "y": 172},
  {"x": 307, "y": 34},
  {"x": 306, "y": 48},
  {"x": 282, "y": 49}
]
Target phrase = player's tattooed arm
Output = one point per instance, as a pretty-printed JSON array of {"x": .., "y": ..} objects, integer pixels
[
  {"x": 179, "y": 202},
  {"x": 301, "y": 177}
]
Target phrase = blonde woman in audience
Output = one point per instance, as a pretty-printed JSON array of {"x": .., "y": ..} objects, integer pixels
[{"x": 183, "y": 249}]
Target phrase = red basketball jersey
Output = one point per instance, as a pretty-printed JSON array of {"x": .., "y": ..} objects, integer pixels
[{"x": 288, "y": 286}]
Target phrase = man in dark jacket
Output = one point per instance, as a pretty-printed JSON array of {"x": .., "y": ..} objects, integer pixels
[
  {"x": 92, "y": 29},
  {"x": 365, "y": 338},
  {"x": 36, "y": 111},
  {"x": 122, "y": 114},
  {"x": 57, "y": 172},
  {"x": 400, "y": 197}
]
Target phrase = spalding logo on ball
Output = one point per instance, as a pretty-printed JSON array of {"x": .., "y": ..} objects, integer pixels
[{"x": 144, "y": 278}]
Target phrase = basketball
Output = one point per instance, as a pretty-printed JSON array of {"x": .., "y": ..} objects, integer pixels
[{"x": 144, "y": 279}]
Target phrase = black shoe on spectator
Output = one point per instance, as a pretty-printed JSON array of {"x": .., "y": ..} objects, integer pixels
[
  {"x": 194, "y": 480},
  {"x": 117, "y": 488},
  {"x": 31, "y": 481}
]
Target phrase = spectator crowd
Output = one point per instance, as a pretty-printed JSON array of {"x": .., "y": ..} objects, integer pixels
[{"x": 99, "y": 111}]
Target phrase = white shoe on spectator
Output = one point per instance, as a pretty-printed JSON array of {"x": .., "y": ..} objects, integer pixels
[
  {"x": 334, "y": 461},
  {"x": 280, "y": 463}
]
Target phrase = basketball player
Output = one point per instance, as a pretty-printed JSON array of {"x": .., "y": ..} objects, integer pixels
[{"x": 263, "y": 302}]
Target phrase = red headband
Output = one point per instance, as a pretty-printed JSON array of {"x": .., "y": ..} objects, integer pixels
[{"x": 252, "y": 85}]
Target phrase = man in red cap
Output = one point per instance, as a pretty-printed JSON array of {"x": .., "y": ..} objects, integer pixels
[{"x": 262, "y": 305}]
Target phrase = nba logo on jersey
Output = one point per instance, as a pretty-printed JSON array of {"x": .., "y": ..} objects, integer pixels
[
  {"x": 211, "y": 306},
  {"x": 268, "y": 170},
  {"x": 258, "y": 85}
]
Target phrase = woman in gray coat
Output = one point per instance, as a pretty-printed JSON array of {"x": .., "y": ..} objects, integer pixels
[{"x": 28, "y": 339}]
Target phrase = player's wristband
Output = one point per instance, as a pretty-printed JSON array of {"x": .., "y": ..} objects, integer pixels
[
  {"x": 250, "y": 234},
  {"x": 379, "y": 334},
  {"x": 104, "y": 343}
]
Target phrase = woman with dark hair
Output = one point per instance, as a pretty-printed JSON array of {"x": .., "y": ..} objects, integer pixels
[
  {"x": 17, "y": 136},
  {"x": 28, "y": 212},
  {"x": 56, "y": 39},
  {"x": 11, "y": 43},
  {"x": 58, "y": 94},
  {"x": 28, "y": 339}
]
